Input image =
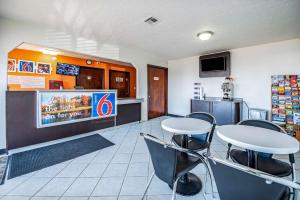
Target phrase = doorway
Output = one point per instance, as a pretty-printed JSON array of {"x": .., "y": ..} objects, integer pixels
[
  {"x": 157, "y": 91},
  {"x": 120, "y": 81},
  {"x": 90, "y": 78}
]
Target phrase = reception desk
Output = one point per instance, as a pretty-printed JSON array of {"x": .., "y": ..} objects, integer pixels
[{"x": 29, "y": 121}]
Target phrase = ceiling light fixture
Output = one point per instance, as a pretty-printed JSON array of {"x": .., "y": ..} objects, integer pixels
[
  {"x": 49, "y": 51},
  {"x": 206, "y": 35}
]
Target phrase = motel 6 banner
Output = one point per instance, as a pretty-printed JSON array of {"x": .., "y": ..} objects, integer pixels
[
  {"x": 104, "y": 104},
  {"x": 63, "y": 107}
]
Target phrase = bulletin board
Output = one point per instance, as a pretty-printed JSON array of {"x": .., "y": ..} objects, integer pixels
[{"x": 286, "y": 102}]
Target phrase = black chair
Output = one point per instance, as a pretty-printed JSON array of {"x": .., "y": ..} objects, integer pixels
[
  {"x": 264, "y": 161},
  {"x": 201, "y": 141},
  {"x": 236, "y": 182},
  {"x": 170, "y": 162}
]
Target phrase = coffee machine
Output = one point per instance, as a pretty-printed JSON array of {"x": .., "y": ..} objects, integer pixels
[{"x": 227, "y": 88}]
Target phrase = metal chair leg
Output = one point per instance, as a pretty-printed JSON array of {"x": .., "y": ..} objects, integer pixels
[
  {"x": 294, "y": 173},
  {"x": 174, "y": 189},
  {"x": 148, "y": 184},
  {"x": 228, "y": 151},
  {"x": 209, "y": 173}
]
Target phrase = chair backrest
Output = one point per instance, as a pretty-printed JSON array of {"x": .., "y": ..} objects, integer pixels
[
  {"x": 163, "y": 158},
  {"x": 261, "y": 124},
  {"x": 206, "y": 117},
  {"x": 236, "y": 183},
  {"x": 203, "y": 115}
]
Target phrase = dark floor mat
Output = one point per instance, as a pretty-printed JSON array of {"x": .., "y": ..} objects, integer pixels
[{"x": 36, "y": 159}]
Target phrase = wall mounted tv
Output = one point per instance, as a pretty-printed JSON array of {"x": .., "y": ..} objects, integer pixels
[
  {"x": 67, "y": 69},
  {"x": 214, "y": 65}
]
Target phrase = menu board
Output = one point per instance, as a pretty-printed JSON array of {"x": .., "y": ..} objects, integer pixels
[
  {"x": 62, "y": 107},
  {"x": 286, "y": 102}
]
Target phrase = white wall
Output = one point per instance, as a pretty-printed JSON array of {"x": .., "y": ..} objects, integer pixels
[
  {"x": 251, "y": 69},
  {"x": 13, "y": 33}
]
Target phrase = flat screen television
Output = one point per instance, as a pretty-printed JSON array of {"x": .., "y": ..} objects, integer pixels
[
  {"x": 67, "y": 69},
  {"x": 214, "y": 65}
]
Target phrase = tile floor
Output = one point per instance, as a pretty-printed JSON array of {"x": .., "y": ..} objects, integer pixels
[{"x": 119, "y": 172}]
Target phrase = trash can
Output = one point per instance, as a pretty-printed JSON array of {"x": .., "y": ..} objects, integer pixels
[{"x": 255, "y": 113}]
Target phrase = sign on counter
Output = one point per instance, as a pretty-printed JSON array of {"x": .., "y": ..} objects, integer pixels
[{"x": 62, "y": 107}]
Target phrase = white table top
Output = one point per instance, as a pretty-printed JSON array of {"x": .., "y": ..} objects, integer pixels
[
  {"x": 186, "y": 126},
  {"x": 258, "y": 139}
]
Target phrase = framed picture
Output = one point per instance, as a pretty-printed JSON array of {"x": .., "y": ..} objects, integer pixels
[
  {"x": 26, "y": 66},
  {"x": 43, "y": 68},
  {"x": 11, "y": 65}
]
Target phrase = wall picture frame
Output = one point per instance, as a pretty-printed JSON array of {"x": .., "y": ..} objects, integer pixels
[
  {"x": 43, "y": 68},
  {"x": 11, "y": 65},
  {"x": 26, "y": 66}
]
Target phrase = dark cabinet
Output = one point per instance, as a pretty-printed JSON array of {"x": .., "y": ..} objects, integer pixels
[
  {"x": 128, "y": 113},
  {"x": 225, "y": 112}
]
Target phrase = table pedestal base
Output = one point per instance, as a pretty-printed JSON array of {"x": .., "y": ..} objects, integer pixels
[{"x": 188, "y": 185}]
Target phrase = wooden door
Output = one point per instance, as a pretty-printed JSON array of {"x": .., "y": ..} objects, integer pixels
[
  {"x": 120, "y": 81},
  {"x": 90, "y": 78},
  {"x": 157, "y": 91}
]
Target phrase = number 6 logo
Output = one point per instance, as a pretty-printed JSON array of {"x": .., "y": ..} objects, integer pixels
[{"x": 103, "y": 101}]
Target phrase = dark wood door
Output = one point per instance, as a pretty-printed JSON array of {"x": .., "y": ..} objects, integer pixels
[
  {"x": 120, "y": 81},
  {"x": 157, "y": 91},
  {"x": 90, "y": 78}
]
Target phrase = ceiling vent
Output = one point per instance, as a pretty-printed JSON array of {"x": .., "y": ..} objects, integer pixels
[{"x": 151, "y": 20}]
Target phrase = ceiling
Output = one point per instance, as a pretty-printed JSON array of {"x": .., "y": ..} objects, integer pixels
[
  {"x": 236, "y": 23},
  {"x": 63, "y": 52}
]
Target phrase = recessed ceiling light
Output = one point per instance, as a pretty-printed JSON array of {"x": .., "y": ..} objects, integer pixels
[
  {"x": 49, "y": 51},
  {"x": 206, "y": 35}
]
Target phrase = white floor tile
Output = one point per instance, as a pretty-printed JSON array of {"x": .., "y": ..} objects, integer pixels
[
  {"x": 11, "y": 184},
  {"x": 104, "y": 198},
  {"x": 15, "y": 198},
  {"x": 137, "y": 169},
  {"x": 159, "y": 197},
  {"x": 134, "y": 186},
  {"x": 130, "y": 198},
  {"x": 158, "y": 187},
  {"x": 73, "y": 198},
  {"x": 93, "y": 170},
  {"x": 30, "y": 187},
  {"x": 82, "y": 187},
  {"x": 108, "y": 187},
  {"x": 56, "y": 187},
  {"x": 72, "y": 170},
  {"x": 140, "y": 157},
  {"x": 44, "y": 198},
  {"x": 121, "y": 158},
  {"x": 115, "y": 170}
]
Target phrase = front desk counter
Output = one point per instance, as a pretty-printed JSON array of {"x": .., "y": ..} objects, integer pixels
[{"x": 22, "y": 117}]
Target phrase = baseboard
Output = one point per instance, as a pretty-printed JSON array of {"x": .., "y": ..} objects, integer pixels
[{"x": 173, "y": 115}]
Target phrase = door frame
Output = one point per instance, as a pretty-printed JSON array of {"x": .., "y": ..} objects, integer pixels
[
  {"x": 166, "y": 87},
  {"x": 93, "y": 68}
]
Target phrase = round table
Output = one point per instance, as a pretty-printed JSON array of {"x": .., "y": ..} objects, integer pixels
[
  {"x": 189, "y": 184},
  {"x": 258, "y": 139}
]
